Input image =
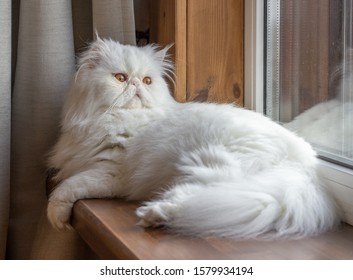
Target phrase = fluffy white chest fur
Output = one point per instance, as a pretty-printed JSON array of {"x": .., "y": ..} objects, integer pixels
[{"x": 199, "y": 169}]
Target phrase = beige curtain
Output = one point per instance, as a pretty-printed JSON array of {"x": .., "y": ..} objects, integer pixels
[
  {"x": 43, "y": 41},
  {"x": 5, "y": 112}
]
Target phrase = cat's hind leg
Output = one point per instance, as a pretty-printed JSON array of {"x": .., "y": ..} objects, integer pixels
[{"x": 95, "y": 183}]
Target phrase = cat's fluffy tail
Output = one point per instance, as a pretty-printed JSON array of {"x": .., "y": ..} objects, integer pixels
[{"x": 284, "y": 202}]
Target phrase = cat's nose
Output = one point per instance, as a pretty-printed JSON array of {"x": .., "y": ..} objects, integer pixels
[{"x": 134, "y": 82}]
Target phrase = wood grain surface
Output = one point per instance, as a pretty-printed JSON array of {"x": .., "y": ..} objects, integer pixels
[
  {"x": 215, "y": 51},
  {"x": 208, "y": 37},
  {"x": 109, "y": 228}
]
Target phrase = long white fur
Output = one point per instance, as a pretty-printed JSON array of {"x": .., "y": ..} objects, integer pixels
[{"x": 201, "y": 169}]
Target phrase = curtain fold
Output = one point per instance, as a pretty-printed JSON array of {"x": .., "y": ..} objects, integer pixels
[
  {"x": 45, "y": 65},
  {"x": 5, "y": 114},
  {"x": 115, "y": 19},
  {"x": 48, "y": 32}
]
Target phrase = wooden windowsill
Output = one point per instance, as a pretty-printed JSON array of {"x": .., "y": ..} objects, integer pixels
[{"x": 109, "y": 228}]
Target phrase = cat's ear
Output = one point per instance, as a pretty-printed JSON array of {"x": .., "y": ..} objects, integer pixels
[
  {"x": 92, "y": 56},
  {"x": 162, "y": 54}
]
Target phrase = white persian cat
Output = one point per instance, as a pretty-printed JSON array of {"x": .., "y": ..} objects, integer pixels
[{"x": 201, "y": 169}]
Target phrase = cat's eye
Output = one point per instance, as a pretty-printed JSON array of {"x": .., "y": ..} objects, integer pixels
[
  {"x": 147, "y": 80},
  {"x": 120, "y": 77}
]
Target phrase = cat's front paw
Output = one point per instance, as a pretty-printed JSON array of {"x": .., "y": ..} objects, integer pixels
[
  {"x": 59, "y": 213},
  {"x": 154, "y": 214}
]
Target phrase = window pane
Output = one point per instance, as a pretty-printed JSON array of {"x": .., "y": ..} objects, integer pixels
[{"x": 309, "y": 72}]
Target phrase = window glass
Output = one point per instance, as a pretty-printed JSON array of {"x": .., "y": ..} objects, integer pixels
[{"x": 309, "y": 72}]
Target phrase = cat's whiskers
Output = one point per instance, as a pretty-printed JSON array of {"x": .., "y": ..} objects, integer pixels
[
  {"x": 169, "y": 74},
  {"x": 112, "y": 106},
  {"x": 116, "y": 100}
]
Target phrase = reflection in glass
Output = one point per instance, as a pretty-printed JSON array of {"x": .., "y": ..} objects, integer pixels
[{"x": 309, "y": 72}]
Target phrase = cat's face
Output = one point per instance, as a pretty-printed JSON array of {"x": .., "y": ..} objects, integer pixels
[{"x": 123, "y": 76}]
